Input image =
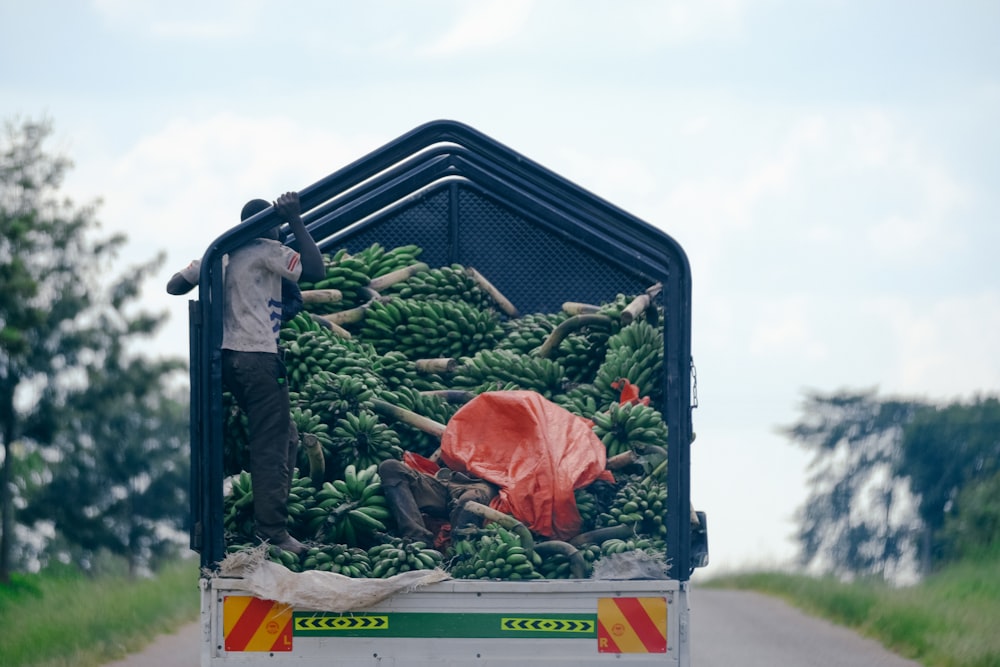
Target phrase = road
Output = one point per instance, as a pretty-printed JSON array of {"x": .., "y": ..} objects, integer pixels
[
  {"x": 728, "y": 629},
  {"x": 745, "y": 629}
]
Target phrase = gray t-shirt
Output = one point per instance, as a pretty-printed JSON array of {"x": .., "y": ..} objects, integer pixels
[{"x": 252, "y": 286}]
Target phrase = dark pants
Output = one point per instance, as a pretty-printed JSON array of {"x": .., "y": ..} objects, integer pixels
[
  {"x": 441, "y": 496},
  {"x": 257, "y": 382}
]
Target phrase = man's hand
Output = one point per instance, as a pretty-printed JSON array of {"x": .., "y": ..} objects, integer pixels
[{"x": 288, "y": 206}]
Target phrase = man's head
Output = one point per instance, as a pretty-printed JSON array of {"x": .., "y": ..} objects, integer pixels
[{"x": 252, "y": 208}]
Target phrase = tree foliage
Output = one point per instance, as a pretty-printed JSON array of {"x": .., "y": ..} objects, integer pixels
[
  {"x": 887, "y": 475},
  {"x": 68, "y": 385},
  {"x": 858, "y": 519}
]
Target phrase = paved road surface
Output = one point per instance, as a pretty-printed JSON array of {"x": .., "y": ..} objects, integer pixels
[
  {"x": 728, "y": 629},
  {"x": 180, "y": 649},
  {"x": 739, "y": 628}
]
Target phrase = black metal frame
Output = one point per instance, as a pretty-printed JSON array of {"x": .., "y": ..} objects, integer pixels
[{"x": 450, "y": 160}]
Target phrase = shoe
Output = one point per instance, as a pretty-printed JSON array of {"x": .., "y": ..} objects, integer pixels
[{"x": 285, "y": 543}]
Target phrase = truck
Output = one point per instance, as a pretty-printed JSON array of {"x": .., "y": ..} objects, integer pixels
[{"x": 459, "y": 206}]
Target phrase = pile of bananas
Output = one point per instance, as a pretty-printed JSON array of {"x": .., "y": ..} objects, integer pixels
[
  {"x": 353, "y": 509},
  {"x": 496, "y": 553},
  {"x": 640, "y": 501},
  {"x": 339, "y": 558},
  {"x": 429, "y": 328},
  {"x": 630, "y": 426},
  {"x": 397, "y": 555},
  {"x": 379, "y": 353},
  {"x": 490, "y": 369}
]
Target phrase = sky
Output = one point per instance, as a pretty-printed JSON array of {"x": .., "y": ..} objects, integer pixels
[{"x": 831, "y": 168}]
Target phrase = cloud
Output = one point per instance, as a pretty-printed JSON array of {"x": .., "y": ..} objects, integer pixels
[
  {"x": 483, "y": 24},
  {"x": 942, "y": 346},
  {"x": 184, "y": 19}
]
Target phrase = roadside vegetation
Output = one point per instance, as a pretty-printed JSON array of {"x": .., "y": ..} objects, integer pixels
[
  {"x": 949, "y": 619},
  {"x": 62, "y": 618}
]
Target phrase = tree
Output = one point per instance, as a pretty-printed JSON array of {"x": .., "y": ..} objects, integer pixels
[
  {"x": 88, "y": 434},
  {"x": 47, "y": 266},
  {"x": 859, "y": 517},
  {"x": 897, "y": 485},
  {"x": 122, "y": 446},
  {"x": 945, "y": 450}
]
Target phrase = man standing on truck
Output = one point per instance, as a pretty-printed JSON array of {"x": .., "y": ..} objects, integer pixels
[{"x": 252, "y": 368}]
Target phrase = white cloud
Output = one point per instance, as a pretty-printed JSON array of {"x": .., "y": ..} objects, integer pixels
[
  {"x": 784, "y": 330},
  {"x": 942, "y": 348},
  {"x": 482, "y": 25},
  {"x": 185, "y": 19}
]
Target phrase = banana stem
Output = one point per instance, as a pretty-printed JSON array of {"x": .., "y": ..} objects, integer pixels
[
  {"x": 577, "y": 308},
  {"x": 322, "y": 296},
  {"x": 399, "y": 275},
  {"x": 619, "y": 461},
  {"x": 568, "y": 326},
  {"x": 317, "y": 462},
  {"x": 409, "y": 417},
  {"x": 348, "y": 316},
  {"x": 505, "y": 305},
  {"x": 439, "y": 365},
  {"x": 640, "y": 304}
]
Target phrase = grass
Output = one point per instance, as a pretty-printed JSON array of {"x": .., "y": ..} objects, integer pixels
[
  {"x": 951, "y": 619},
  {"x": 66, "y": 619}
]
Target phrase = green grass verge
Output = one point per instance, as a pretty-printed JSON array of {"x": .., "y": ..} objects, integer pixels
[
  {"x": 63, "y": 620},
  {"x": 951, "y": 619}
]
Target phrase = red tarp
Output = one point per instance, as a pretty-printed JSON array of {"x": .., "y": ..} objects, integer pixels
[{"x": 537, "y": 452}]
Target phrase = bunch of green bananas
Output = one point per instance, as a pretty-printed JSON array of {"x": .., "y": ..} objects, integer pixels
[
  {"x": 428, "y": 328},
  {"x": 524, "y": 334},
  {"x": 630, "y": 426},
  {"x": 634, "y": 353},
  {"x": 588, "y": 507},
  {"x": 301, "y": 498},
  {"x": 345, "y": 273},
  {"x": 445, "y": 283},
  {"x": 640, "y": 501},
  {"x": 490, "y": 369},
  {"x": 558, "y": 565},
  {"x": 355, "y": 509},
  {"x": 313, "y": 352},
  {"x": 378, "y": 261},
  {"x": 361, "y": 439},
  {"x": 339, "y": 558},
  {"x": 397, "y": 555},
  {"x": 237, "y": 507},
  {"x": 617, "y": 545},
  {"x": 495, "y": 553}
]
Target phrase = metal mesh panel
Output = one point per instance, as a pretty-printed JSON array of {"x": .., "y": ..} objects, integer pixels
[
  {"x": 535, "y": 268},
  {"x": 425, "y": 223}
]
